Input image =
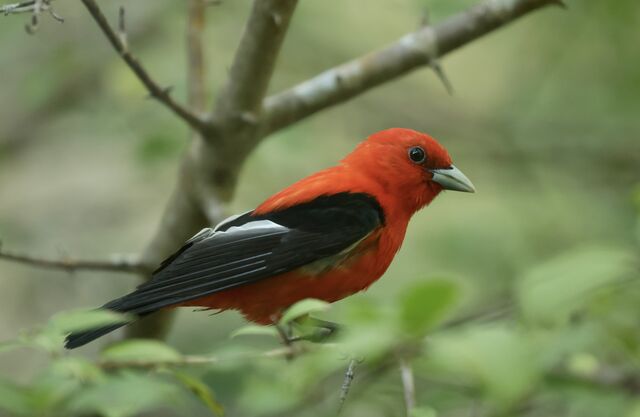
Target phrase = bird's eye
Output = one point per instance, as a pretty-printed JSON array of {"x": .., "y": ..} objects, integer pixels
[{"x": 417, "y": 154}]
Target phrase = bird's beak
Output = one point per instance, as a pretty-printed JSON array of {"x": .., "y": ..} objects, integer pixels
[{"x": 452, "y": 178}]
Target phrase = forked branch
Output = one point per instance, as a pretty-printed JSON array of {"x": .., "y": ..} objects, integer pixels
[{"x": 159, "y": 93}]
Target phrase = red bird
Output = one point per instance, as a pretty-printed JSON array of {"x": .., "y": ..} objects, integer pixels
[{"x": 327, "y": 236}]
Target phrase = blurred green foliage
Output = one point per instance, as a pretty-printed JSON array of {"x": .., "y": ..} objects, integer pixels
[{"x": 520, "y": 300}]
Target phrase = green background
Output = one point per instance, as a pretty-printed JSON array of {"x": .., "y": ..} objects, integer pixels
[{"x": 544, "y": 121}]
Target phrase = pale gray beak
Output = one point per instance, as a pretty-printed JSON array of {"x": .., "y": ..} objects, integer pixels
[{"x": 452, "y": 179}]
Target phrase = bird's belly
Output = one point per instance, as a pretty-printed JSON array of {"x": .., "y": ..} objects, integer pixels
[{"x": 264, "y": 301}]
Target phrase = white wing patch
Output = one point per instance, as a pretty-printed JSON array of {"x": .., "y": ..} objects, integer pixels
[
  {"x": 256, "y": 225},
  {"x": 264, "y": 225},
  {"x": 228, "y": 220}
]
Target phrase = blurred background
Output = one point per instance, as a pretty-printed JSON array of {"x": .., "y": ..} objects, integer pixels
[{"x": 544, "y": 120}]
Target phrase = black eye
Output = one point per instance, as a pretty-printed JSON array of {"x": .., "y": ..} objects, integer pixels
[{"x": 417, "y": 154}]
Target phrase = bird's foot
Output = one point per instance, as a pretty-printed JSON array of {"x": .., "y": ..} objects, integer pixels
[{"x": 285, "y": 331}]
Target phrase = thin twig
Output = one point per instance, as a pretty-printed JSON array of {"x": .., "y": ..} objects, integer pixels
[
  {"x": 159, "y": 93},
  {"x": 425, "y": 22},
  {"x": 35, "y": 7},
  {"x": 72, "y": 265},
  {"x": 611, "y": 379},
  {"x": 442, "y": 76},
  {"x": 32, "y": 27},
  {"x": 195, "y": 360},
  {"x": 15, "y": 8},
  {"x": 122, "y": 29},
  {"x": 494, "y": 312},
  {"x": 346, "y": 383},
  {"x": 408, "y": 385}
]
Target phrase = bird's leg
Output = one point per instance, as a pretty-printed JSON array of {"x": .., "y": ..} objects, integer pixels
[{"x": 286, "y": 333}]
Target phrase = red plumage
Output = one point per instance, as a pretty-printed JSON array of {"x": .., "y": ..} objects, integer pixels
[{"x": 379, "y": 167}]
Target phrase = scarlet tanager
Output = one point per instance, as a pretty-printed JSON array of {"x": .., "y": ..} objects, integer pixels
[{"x": 329, "y": 235}]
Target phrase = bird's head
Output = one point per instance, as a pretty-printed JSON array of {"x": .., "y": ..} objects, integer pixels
[{"x": 411, "y": 165}]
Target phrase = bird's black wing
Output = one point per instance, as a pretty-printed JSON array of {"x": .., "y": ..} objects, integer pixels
[{"x": 251, "y": 247}]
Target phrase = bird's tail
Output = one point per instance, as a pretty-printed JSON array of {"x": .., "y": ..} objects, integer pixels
[{"x": 78, "y": 339}]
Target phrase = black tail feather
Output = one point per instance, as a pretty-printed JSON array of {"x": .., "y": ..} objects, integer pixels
[
  {"x": 75, "y": 340},
  {"x": 118, "y": 305}
]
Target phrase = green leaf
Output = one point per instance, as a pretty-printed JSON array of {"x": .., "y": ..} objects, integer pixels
[
  {"x": 303, "y": 308},
  {"x": 140, "y": 349},
  {"x": 201, "y": 390},
  {"x": 369, "y": 341},
  {"x": 552, "y": 291},
  {"x": 50, "y": 339},
  {"x": 79, "y": 320},
  {"x": 425, "y": 305},
  {"x": 365, "y": 321},
  {"x": 253, "y": 330},
  {"x": 76, "y": 368},
  {"x": 503, "y": 362},
  {"x": 50, "y": 393},
  {"x": 126, "y": 394}
]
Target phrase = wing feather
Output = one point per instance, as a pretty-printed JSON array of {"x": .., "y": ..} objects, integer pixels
[{"x": 249, "y": 248}]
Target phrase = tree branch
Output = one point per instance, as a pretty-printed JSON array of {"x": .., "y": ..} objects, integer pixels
[
  {"x": 155, "y": 91},
  {"x": 254, "y": 61},
  {"x": 72, "y": 265},
  {"x": 610, "y": 379},
  {"x": 210, "y": 168},
  {"x": 412, "y": 51},
  {"x": 195, "y": 55}
]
